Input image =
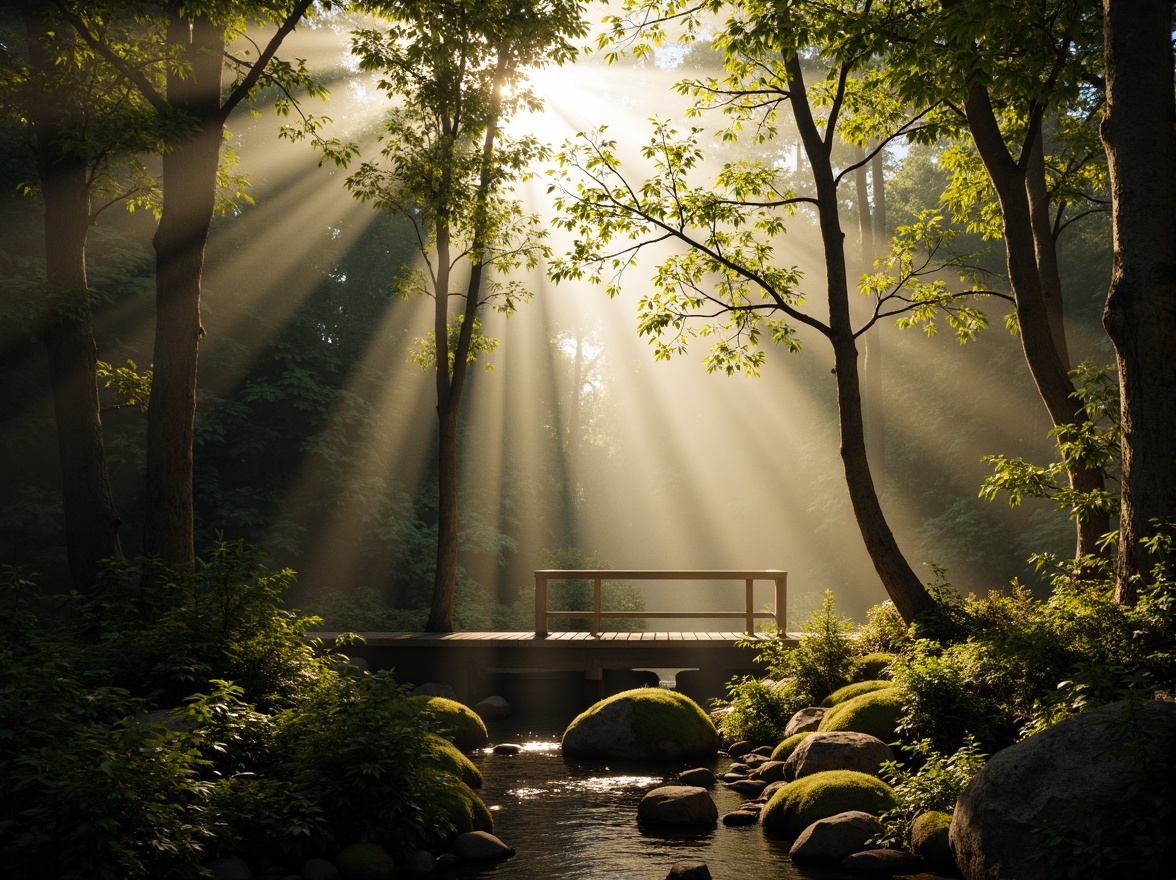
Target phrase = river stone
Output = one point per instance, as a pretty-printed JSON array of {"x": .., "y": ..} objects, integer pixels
[
  {"x": 420, "y": 862},
  {"x": 748, "y": 787},
  {"x": 700, "y": 777},
  {"x": 930, "y": 840},
  {"x": 493, "y": 708},
  {"x": 229, "y": 868},
  {"x": 886, "y": 862},
  {"x": 741, "y": 748},
  {"x": 646, "y": 724},
  {"x": 754, "y": 759},
  {"x": 769, "y": 771},
  {"x": 364, "y": 861},
  {"x": 740, "y": 817},
  {"x": 447, "y": 862},
  {"x": 763, "y": 751},
  {"x": 837, "y": 750},
  {"x": 689, "y": 871},
  {"x": 319, "y": 869},
  {"x": 830, "y": 841},
  {"x": 805, "y": 720},
  {"x": 507, "y": 749},
  {"x": 772, "y": 788},
  {"x": 480, "y": 846},
  {"x": 1071, "y": 779},
  {"x": 678, "y": 805}
]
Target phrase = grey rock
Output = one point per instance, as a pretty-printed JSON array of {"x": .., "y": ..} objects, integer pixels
[
  {"x": 830, "y": 841},
  {"x": 753, "y": 760},
  {"x": 805, "y": 720},
  {"x": 772, "y": 788},
  {"x": 739, "y": 749},
  {"x": 480, "y": 846},
  {"x": 740, "y": 817},
  {"x": 507, "y": 749},
  {"x": 885, "y": 862},
  {"x": 837, "y": 750},
  {"x": 735, "y": 776},
  {"x": 1071, "y": 777},
  {"x": 319, "y": 869},
  {"x": 763, "y": 751},
  {"x": 689, "y": 871},
  {"x": 678, "y": 805},
  {"x": 493, "y": 708},
  {"x": 420, "y": 862},
  {"x": 364, "y": 861},
  {"x": 447, "y": 862},
  {"x": 434, "y": 689},
  {"x": 230, "y": 868},
  {"x": 769, "y": 771},
  {"x": 748, "y": 787},
  {"x": 700, "y": 777}
]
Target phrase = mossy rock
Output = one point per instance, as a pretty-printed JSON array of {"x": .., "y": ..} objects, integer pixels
[
  {"x": 457, "y": 723},
  {"x": 855, "y": 690},
  {"x": 876, "y": 713},
  {"x": 455, "y": 809},
  {"x": 446, "y": 757},
  {"x": 788, "y": 746},
  {"x": 644, "y": 724},
  {"x": 929, "y": 839},
  {"x": 872, "y": 667},
  {"x": 364, "y": 861},
  {"x": 801, "y": 803}
]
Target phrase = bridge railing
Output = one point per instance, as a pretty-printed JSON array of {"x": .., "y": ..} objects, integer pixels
[{"x": 779, "y": 614}]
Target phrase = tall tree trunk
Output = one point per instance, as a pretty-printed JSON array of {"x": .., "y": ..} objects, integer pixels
[
  {"x": 871, "y": 399},
  {"x": 875, "y": 407},
  {"x": 1033, "y": 314},
  {"x": 1140, "y": 314},
  {"x": 1045, "y": 246},
  {"x": 91, "y": 521},
  {"x": 910, "y": 597},
  {"x": 189, "y": 200}
]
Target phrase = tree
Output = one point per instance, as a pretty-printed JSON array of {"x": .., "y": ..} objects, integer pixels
[
  {"x": 1140, "y": 314},
  {"x": 728, "y": 274},
  {"x": 179, "y": 68},
  {"x": 458, "y": 72},
  {"x": 83, "y": 131}
]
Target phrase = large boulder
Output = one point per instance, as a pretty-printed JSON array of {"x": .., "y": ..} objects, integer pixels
[
  {"x": 455, "y": 809},
  {"x": 788, "y": 746},
  {"x": 837, "y": 750},
  {"x": 805, "y": 720},
  {"x": 799, "y": 804},
  {"x": 1102, "y": 773},
  {"x": 876, "y": 713},
  {"x": 480, "y": 846},
  {"x": 678, "y": 805},
  {"x": 856, "y": 689},
  {"x": 445, "y": 756},
  {"x": 645, "y": 724},
  {"x": 829, "y": 841},
  {"x": 456, "y": 722}
]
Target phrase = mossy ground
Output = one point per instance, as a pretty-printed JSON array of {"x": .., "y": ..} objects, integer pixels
[
  {"x": 875, "y": 713},
  {"x": 821, "y": 795},
  {"x": 850, "y": 691},
  {"x": 450, "y": 719},
  {"x": 872, "y": 666}
]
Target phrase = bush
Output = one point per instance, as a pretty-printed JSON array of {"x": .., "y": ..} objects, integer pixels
[
  {"x": 759, "y": 710},
  {"x": 821, "y": 795},
  {"x": 884, "y": 632}
]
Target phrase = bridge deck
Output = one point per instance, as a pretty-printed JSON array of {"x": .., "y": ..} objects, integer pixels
[{"x": 463, "y": 659}]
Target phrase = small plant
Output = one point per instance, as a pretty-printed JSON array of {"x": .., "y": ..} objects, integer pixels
[
  {"x": 934, "y": 784},
  {"x": 822, "y": 660},
  {"x": 759, "y": 710}
]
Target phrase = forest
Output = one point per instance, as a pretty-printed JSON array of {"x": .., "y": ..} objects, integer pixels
[{"x": 370, "y": 309}]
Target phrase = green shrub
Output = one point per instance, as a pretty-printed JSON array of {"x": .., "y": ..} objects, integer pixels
[
  {"x": 759, "y": 711},
  {"x": 884, "y": 632},
  {"x": 876, "y": 713},
  {"x": 854, "y": 690},
  {"x": 932, "y": 786},
  {"x": 788, "y": 746},
  {"x": 821, "y": 795},
  {"x": 456, "y": 722}
]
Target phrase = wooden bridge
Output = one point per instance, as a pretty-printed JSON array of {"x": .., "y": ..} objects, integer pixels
[{"x": 464, "y": 660}]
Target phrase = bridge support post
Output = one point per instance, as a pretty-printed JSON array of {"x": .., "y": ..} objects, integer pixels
[{"x": 540, "y": 603}]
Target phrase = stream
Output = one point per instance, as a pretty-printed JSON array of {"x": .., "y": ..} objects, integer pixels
[{"x": 571, "y": 819}]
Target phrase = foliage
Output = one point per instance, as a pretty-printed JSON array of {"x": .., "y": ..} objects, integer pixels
[
  {"x": 884, "y": 631},
  {"x": 759, "y": 711},
  {"x": 926, "y": 781}
]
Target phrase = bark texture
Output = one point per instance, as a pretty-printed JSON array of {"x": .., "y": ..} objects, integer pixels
[{"x": 1140, "y": 313}]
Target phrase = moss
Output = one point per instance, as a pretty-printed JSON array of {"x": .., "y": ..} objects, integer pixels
[
  {"x": 929, "y": 839},
  {"x": 786, "y": 748},
  {"x": 854, "y": 690},
  {"x": 875, "y": 713},
  {"x": 821, "y": 795},
  {"x": 446, "y": 757},
  {"x": 664, "y": 725},
  {"x": 872, "y": 667},
  {"x": 455, "y": 810},
  {"x": 457, "y": 723},
  {"x": 364, "y": 861}
]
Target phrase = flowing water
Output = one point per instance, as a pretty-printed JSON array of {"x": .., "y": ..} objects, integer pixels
[{"x": 574, "y": 820}]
